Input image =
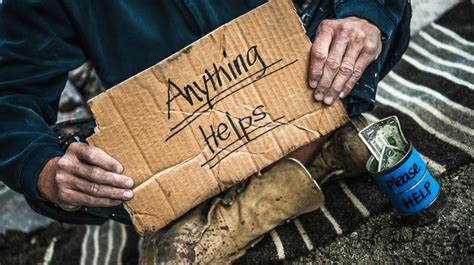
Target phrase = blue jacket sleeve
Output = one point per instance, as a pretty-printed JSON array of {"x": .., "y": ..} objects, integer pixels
[
  {"x": 385, "y": 14},
  {"x": 37, "y": 49}
]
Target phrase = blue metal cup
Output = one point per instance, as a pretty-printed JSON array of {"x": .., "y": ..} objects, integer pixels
[{"x": 409, "y": 185}]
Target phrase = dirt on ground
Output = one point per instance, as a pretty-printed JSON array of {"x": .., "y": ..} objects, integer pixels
[
  {"x": 384, "y": 238},
  {"x": 17, "y": 247}
]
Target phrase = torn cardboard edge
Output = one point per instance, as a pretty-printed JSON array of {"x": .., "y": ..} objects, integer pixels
[{"x": 184, "y": 139}]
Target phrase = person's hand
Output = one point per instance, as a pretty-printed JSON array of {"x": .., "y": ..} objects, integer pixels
[
  {"x": 84, "y": 175},
  {"x": 343, "y": 48}
]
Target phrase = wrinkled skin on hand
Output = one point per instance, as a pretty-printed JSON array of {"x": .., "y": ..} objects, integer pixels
[
  {"x": 342, "y": 50},
  {"x": 84, "y": 175}
]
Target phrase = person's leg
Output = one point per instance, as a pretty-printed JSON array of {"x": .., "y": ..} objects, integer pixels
[
  {"x": 306, "y": 153},
  {"x": 219, "y": 231},
  {"x": 337, "y": 155}
]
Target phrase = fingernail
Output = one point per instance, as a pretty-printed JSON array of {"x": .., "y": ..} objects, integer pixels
[
  {"x": 128, "y": 195},
  {"x": 341, "y": 95},
  {"x": 313, "y": 84},
  {"x": 119, "y": 169},
  {"x": 318, "y": 96},
  {"x": 328, "y": 100},
  {"x": 129, "y": 183}
]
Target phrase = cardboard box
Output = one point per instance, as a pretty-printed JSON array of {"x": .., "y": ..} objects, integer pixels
[{"x": 213, "y": 114}]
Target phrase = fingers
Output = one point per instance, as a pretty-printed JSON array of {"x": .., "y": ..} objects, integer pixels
[
  {"x": 344, "y": 74},
  {"x": 102, "y": 191},
  {"x": 319, "y": 53},
  {"x": 71, "y": 198},
  {"x": 69, "y": 208},
  {"x": 331, "y": 68},
  {"x": 95, "y": 156},
  {"x": 94, "y": 174},
  {"x": 88, "y": 176},
  {"x": 73, "y": 191},
  {"x": 362, "y": 62}
]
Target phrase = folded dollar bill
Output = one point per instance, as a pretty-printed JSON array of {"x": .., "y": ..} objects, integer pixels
[
  {"x": 391, "y": 155},
  {"x": 386, "y": 131}
]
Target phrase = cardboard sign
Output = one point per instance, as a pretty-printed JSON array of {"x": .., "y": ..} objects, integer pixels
[{"x": 213, "y": 114}]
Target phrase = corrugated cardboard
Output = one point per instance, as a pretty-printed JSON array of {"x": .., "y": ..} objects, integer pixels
[{"x": 212, "y": 114}]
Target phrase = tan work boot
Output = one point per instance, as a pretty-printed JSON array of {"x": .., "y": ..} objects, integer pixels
[
  {"x": 221, "y": 230},
  {"x": 343, "y": 155}
]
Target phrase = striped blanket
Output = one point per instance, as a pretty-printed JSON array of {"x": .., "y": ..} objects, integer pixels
[{"x": 431, "y": 91}]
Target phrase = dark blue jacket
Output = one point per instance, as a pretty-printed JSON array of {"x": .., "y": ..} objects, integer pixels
[{"x": 41, "y": 40}]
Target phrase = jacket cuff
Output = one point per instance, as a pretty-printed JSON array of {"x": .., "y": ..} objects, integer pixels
[
  {"x": 31, "y": 168},
  {"x": 370, "y": 10}
]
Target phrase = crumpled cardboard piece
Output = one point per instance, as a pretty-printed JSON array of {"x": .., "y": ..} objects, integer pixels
[{"x": 213, "y": 114}]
